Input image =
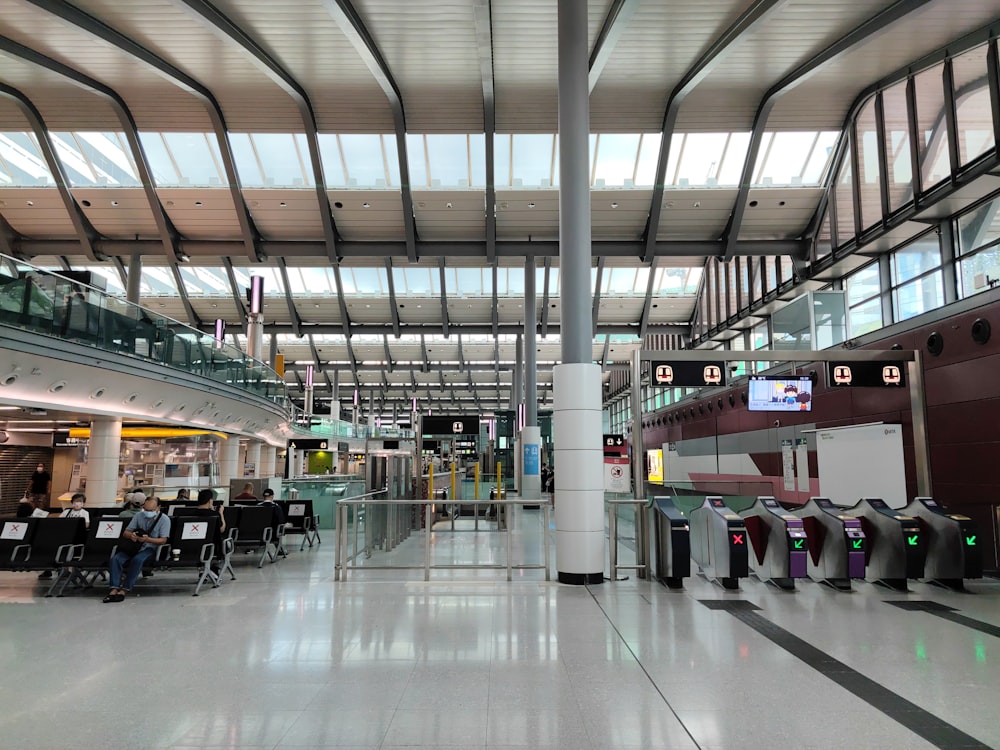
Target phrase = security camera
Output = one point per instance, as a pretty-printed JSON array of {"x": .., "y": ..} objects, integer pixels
[{"x": 777, "y": 423}]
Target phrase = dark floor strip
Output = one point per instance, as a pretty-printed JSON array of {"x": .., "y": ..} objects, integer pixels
[
  {"x": 948, "y": 613},
  {"x": 923, "y": 723}
]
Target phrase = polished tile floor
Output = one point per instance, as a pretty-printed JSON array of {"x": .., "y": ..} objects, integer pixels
[{"x": 287, "y": 658}]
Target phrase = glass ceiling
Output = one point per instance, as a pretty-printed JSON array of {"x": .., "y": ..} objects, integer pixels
[{"x": 452, "y": 161}]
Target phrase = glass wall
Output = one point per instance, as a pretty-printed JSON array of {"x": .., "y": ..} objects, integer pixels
[{"x": 917, "y": 281}]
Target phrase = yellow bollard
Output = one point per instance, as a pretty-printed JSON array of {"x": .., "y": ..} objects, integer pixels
[
  {"x": 477, "y": 481},
  {"x": 452, "y": 496},
  {"x": 499, "y": 480},
  {"x": 430, "y": 483}
]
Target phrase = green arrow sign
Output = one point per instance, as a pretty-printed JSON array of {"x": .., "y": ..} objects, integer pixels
[
  {"x": 913, "y": 540},
  {"x": 799, "y": 543},
  {"x": 970, "y": 541},
  {"x": 857, "y": 543}
]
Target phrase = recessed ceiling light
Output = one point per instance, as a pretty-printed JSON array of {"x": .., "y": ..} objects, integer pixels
[
  {"x": 283, "y": 204},
  {"x": 30, "y": 203},
  {"x": 614, "y": 204},
  {"x": 531, "y": 205},
  {"x": 114, "y": 203},
  {"x": 366, "y": 204},
  {"x": 198, "y": 204}
]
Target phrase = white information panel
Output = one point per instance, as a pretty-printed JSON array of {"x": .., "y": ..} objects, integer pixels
[
  {"x": 197, "y": 530},
  {"x": 296, "y": 509},
  {"x": 14, "y": 530},
  {"x": 109, "y": 529},
  {"x": 864, "y": 461}
]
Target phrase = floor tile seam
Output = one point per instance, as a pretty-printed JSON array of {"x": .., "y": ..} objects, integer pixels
[{"x": 645, "y": 671}]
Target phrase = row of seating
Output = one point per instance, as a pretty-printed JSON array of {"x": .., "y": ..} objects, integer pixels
[{"x": 80, "y": 555}]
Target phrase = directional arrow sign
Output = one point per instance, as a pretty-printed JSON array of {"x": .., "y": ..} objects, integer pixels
[
  {"x": 913, "y": 540},
  {"x": 970, "y": 541},
  {"x": 799, "y": 543},
  {"x": 857, "y": 543}
]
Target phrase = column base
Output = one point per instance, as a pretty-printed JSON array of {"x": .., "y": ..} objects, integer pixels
[{"x": 581, "y": 579}]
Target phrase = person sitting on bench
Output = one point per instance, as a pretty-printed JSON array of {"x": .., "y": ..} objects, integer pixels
[{"x": 150, "y": 529}]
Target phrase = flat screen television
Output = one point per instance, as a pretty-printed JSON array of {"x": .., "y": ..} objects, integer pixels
[{"x": 780, "y": 393}]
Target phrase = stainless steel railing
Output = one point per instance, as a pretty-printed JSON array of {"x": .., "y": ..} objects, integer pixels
[
  {"x": 641, "y": 538},
  {"x": 397, "y": 509}
]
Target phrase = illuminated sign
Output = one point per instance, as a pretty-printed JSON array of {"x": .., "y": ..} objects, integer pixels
[
  {"x": 737, "y": 539},
  {"x": 858, "y": 543},
  {"x": 866, "y": 374},
  {"x": 800, "y": 544},
  {"x": 687, "y": 374},
  {"x": 970, "y": 541},
  {"x": 913, "y": 540}
]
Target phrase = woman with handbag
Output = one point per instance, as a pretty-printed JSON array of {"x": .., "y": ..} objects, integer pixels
[{"x": 146, "y": 531}]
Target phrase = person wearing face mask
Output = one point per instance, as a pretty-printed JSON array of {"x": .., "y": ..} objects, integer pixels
[
  {"x": 151, "y": 528},
  {"x": 76, "y": 509},
  {"x": 39, "y": 486}
]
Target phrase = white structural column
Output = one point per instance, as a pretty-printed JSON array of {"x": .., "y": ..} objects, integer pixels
[
  {"x": 229, "y": 458},
  {"x": 579, "y": 458},
  {"x": 252, "y": 458},
  {"x": 267, "y": 461},
  {"x": 531, "y": 435},
  {"x": 103, "y": 451}
]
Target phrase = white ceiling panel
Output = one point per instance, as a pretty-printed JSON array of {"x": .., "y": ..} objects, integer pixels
[
  {"x": 450, "y": 214},
  {"x": 36, "y": 212},
  {"x": 201, "y": 213},
  {"x": 658, "y": 45},
  {"x": 824, "y": 102},
  {"x": 156, "y": 103},
  {"x": 307, "y": 41},
  {"x": 695, "y": 214},
  {"x": 528, "y": 214},
  {"x": 247, "y": 96},
  {"x": 119, "y": 213},
  {"x": 619, "y": 214},
  {"x": 285, "y": 214},
  {"x": 779, "y": 214},
  {"x": 368, "y": 214},
  {"x": 63, "y": 105}
]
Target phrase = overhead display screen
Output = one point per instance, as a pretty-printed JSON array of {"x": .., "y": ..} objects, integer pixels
[
  {"x": 687, "y": 374},
  {"x": 866, "y": 374},
  {"x": 780, "y": 393}
]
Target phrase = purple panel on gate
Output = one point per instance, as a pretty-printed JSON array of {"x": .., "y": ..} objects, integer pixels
[{"x": 797, "y": 564}]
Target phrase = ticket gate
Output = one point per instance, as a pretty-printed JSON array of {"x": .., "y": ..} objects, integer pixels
[
  {"x": 897, "y": 549},
  {"x": 671, "y": 549},
  {"x": 837, "y": 546},
  {"x": 953, "y": 547},
  {"x": 719, "y": 543},
  {"x": 779, "y": 543}
]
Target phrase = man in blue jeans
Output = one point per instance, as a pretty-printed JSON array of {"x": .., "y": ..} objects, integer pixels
[{"x": 152, "y": 529}]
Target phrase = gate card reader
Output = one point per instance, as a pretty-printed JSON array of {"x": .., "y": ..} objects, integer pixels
[
  {"x": 896, "y": 546},
  {"x": 671, "y": 549},
  {"x": 719, "y": 542},
  {"x": 779, "y": 542},
  {"x": 953, "y": 549},
  {"x": 837, "y": 543}
]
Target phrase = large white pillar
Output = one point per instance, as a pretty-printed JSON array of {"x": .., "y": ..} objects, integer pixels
[
  {"x": 579, "y": 470},
  {"x": 103, "y": 451},
  {"x": 229, "y": 458},
  {"x": 267, "y": 461},
  {"x": 252, "y": 457}
]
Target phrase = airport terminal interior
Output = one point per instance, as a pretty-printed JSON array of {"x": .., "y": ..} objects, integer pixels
[{"x": 605, "y": 374}]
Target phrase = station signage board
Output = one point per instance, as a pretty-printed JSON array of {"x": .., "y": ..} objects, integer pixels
[
  {"x": 467, "y": 424},
  {"x": 687, "y": 374},
  {"x": 866, "y": 374}
]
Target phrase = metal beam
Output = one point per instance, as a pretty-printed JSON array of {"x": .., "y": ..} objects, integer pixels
[
  {"x": 597, "y": 293},
  {"x": 9, "y": 238},
  {"x": 547, "y": 263},
  {"x": 292, "y": 311},
  {"x": 711, "y": 58},
  {"x": 98, "y": 29},
  {"x": 860, "y": 35},
  {"x": 377, "y": 329},
  {"x": 604, "y": 355},
  {"x": 619, "y": 15},
  {"x": 193, "y": 318},
  {"x": 353, "y": 28},
  {"x": 224, "y": 27},
  {"x": 354, "y": 364},
  {"x": 495, "y": 309},
  {"x": 85, "y": 232},
  {"x": 648, "y": 302},
  {"x": 484, "y": 43},
  {"x": 168, "y": 233},
  {"x": 393, "y": 307},
  {"x": 444, "y": 300},
  {"x": 423, "y": 350},
  {"x": 388, "y": 352},
  {"x": 461, "y": 354},
  {"x": 241, "y": 305},
  {"x": 345, "y": 318},
  {"x": 315, "y": 353}
]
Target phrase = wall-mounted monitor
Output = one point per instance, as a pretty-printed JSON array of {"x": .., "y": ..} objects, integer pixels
[{"x": 780, "y": 393}]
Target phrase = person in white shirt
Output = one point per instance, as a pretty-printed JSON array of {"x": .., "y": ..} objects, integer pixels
[{"x": 76, "y": 509}]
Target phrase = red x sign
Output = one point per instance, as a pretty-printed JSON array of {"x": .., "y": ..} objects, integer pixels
[
  {"x": 110, "y": 528},
  {"x": 195, "y": 528},
  {"x": 15, "y": 527},
  {"x": 737, "y": 539}
]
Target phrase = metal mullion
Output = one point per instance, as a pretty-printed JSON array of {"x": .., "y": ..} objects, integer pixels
[
  {"x": 495, "y": 313},
  {"x": 883, "y": 155},
  {"x": 552, "y": 163},
  {"x": 219, "y": 168},
  {"x": 680, "y": 159},
  {"x": 256, "y": 158},
  {"x": 182, "y": 292},
  {"x": 888, "y": 290},
  {"x": 343, "y": 161},
  {"x": 993, "y": 77},
  {"x": 949, "y": 261},
  {"x": 916, "y": 154},
  {"x": 638, "y": 151},
  {"x": 832, "y": 211},
  {"x": 597, "y": 154},
  {"x": 83, "y": 155},
  {"x": 763, "y": 161},
  {"x": 86, "y": 234},
  {"x": 427, "y": 160},
  {"x": 856, "y": 178},
  {"x": 951, "y": 118},
  {"x": 298, "y": 156}
]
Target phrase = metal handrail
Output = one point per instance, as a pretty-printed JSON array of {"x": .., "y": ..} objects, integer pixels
[
  {"x": 641, "y": 553},
  {"x": 340, "y": 573}
]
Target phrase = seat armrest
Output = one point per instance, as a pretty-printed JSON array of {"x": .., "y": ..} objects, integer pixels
[
  {"x": 207, "y": 552},
  {"x": 68, "y": 552},
  {"x": 21, "y": 549}
]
